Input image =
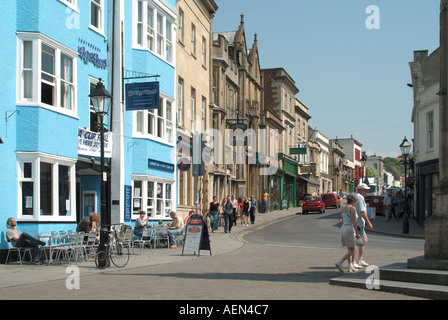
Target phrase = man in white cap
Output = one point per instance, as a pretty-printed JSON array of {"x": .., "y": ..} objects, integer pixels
[{"x": 361, "y": 209}]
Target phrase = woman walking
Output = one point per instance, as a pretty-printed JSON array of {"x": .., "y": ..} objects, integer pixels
[
  {"x": 349, "y": 232},
  {"x": 246, "y": 210},
  {"x": 214, "y": 214}
]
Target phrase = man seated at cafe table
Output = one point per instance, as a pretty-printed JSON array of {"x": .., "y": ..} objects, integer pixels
[{"x": 175, "y": 229}]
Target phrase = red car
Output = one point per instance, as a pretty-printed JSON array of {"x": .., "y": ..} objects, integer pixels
[
  {"x": 313, "y": 203},
  {"x": 331, "y": 199},
  {"x": 377, "y": 202}
]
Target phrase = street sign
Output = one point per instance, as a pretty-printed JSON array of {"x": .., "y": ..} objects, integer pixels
[
  {"x": 183, "y": 164},
  {"x": 293, "y": 151}
]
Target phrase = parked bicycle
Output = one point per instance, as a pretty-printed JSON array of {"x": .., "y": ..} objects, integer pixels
[{"x": 116, "y": 251}]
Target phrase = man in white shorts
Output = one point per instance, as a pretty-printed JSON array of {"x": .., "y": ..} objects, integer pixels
[{"x": 361, "y": 209}]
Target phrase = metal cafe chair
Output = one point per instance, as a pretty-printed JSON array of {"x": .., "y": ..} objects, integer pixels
[
  {"x": 161, "y": 236},
  {"x": 19, "y": 251},
  {"x": 146, "y": 238}
]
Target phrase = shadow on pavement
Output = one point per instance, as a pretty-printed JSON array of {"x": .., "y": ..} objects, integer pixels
[{"x": 305, "y": 277}]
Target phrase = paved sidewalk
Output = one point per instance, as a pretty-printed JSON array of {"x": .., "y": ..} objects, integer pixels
[
  {"x": 395, "y": 227},
  {"x": 16, "y": 275}
]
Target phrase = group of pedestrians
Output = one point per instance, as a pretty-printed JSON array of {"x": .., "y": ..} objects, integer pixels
[
  {"x": 353, "y": 236},
  {"x": 394, "y": 205},
  {"x": 228, "y": 210}
]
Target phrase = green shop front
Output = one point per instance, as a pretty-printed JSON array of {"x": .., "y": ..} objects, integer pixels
[
  {"x": 288, "y": 182},
  {"x": 281, "y": 186}
]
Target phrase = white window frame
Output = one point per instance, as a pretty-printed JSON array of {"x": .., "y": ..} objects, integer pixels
[
  {"x": 180, "y": 101},
  {"x": 161, "y": 33},
  {"x": 193, "y": 109},
  {"x": 158, "y": 119},
  {"x": 204, "y": 52},
  {"x": 100, "y": 6},
  {"x": 72, "y": 4},
  {"x": 36, "y": 158},
  {"x": 193, "y": 40},
  {"x": 38, "y": 40},
  {"x": 92, "y": 112},
  {"x": 142, "y": 197},
  {"x": 180, "y": 28},
  {"x": 204, "y": 114}
]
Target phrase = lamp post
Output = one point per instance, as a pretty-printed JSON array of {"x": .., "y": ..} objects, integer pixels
[
  {"x": 405, "y": 148},
  {"x": 363, "y": 163},
  {"x": 100, "y": 99}
]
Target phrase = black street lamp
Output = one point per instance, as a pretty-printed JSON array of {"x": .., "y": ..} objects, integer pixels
[
  {"x": 405, "y": 148},
  {"x": 101, "y": 101},
  {"x": 363, "y": 163}
]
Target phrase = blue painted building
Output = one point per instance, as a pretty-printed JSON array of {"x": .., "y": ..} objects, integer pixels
[
  {"x": 149, "y": 135},
  {"x": 54, "y": 53}
]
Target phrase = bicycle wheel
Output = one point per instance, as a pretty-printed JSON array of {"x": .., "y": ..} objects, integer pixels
[
  {"x": 119, "y": 254},
  {"x": 101, "y": 260}
]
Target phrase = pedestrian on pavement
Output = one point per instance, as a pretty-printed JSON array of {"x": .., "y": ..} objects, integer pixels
[
  {"x": 387, "y": 205},
  {"x": 253, "y": 206},
  {"x": 349, "y": 232},
  {"x": 246, "y": 210},
  {"x": 401, "y": 204},
  {"x": 397, "y": 205},
  {"x": 227, "y": 209},
  {"x": 235, "y": 206},
  {"x": 190, "y": 213},
  {"x": 240, "y": 208},
  {"x": 175, "y": 229},
  {"x": 22, "y": 239},
  {"x": 264, "y": 202},
  {"x": 361, "y": 209},
  {"x": 213, "y": 212}
]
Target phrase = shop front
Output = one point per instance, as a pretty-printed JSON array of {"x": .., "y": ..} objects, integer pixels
[
  {"x": 426, "y": 182},
  {"x": 289, "y": 181},
  {"x": 274, "y": 187}
]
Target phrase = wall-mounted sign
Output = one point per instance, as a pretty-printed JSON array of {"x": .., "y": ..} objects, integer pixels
[
  {"x": 127, "y": 202},
  {"x": 293, "y": 151},
  {"x": 93, "y": 57},
  {"x": 89, "y": 143},
  {"x": 142, "y": 96},
  {"x": 159, "y": 165}
]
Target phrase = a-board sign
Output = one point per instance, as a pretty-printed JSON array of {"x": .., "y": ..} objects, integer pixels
[
  {"x": 196, "y": 235},
  {"x": 371, "y": 213}
]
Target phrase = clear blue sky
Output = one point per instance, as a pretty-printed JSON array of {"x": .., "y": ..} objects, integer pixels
[{"x": 352, "y": 79}]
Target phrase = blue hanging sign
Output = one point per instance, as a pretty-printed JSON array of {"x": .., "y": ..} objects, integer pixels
[{"x": 142, "y": 96}]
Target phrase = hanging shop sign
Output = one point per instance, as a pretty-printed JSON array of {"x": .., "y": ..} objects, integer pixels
[
  {"x": 142, "y": 96},
  {"x": 89, "y": 143}
]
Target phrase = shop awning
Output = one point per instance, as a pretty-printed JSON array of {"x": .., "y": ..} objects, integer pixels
[{"x": 311, "y": 182}]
